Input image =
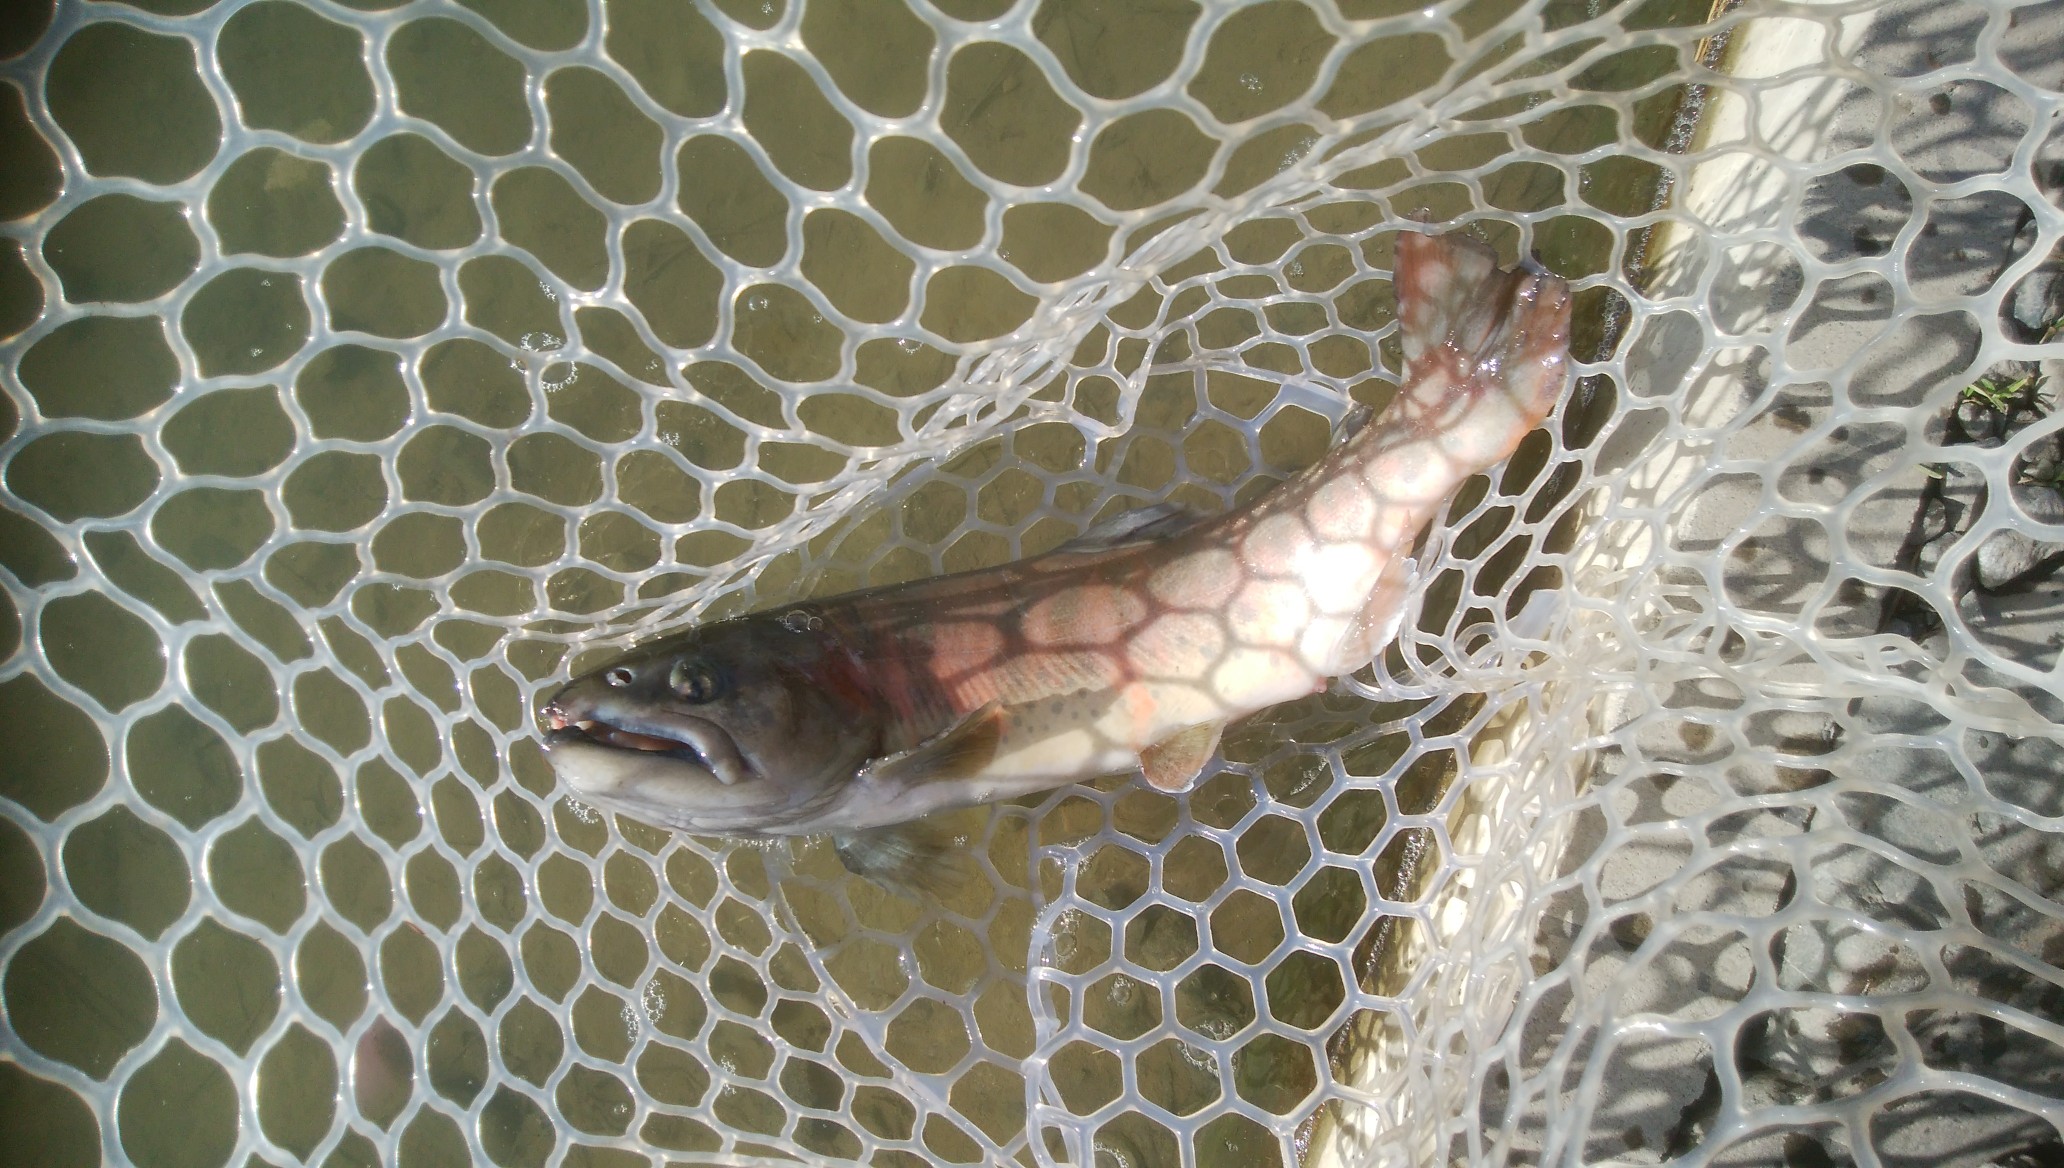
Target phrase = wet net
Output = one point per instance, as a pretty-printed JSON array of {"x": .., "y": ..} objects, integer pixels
[{"x": 372, "y": 367}]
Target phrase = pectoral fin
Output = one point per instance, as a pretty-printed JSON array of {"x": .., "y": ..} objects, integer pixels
[
  {"x": 959, "y": 753},
  {"x": 1176, "y": 761},
  {"x": 910, "y": 858}
]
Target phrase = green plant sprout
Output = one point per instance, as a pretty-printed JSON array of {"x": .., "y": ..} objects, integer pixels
[{"x": 2000, "y": 395}]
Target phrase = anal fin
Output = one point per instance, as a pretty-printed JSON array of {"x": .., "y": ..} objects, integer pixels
[
  {"x": 1175, "y": 762},
  {"x": 1377, "y": 624},
  {"x": 961, "y": 752}
]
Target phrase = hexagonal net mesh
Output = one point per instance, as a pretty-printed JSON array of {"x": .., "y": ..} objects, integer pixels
[{"x": 370, "y": 365}]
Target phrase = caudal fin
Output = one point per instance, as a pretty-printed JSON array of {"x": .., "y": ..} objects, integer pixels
[{"x": 1486, "y": 351}]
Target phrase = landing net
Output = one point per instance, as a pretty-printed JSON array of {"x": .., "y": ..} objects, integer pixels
[{"x": 373, "y": 367}]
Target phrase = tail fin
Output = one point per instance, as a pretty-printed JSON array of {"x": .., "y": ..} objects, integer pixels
[{"x": 1480, "y": 344}]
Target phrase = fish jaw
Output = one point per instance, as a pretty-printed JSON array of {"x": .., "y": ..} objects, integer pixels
[
  {"x": 659, "y": 788},
  {"x": 653, "y": 764},
  {"x": 744, "y": 725}
]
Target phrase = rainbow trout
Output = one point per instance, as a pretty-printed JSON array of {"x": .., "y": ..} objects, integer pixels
[{"x": 1131, "y": 647}]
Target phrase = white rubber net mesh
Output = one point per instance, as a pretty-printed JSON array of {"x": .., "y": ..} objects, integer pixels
[{"x": 370, "y": 365}]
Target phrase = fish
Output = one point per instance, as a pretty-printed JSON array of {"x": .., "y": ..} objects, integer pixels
[{"x": 1129, "y": 648}]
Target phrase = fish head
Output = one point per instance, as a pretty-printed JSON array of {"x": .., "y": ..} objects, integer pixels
[{"x": 741, "y": 725}]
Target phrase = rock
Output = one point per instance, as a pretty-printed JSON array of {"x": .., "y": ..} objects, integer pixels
[
  {"x": 2038, "y": 300},
  {"x": 2040, "y": 463},
  {"x": 2006, "y": 557},
  {"x": 2040, "y": 503},
  {"x": 1929, "y": 561},
  {"x": 1962, "y": 492},
  {"x": 1934, "y": 520},
  {"x": 1978, "y": 420}
]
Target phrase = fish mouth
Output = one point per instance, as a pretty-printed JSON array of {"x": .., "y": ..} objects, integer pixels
[{"x": 695, "y": 742}]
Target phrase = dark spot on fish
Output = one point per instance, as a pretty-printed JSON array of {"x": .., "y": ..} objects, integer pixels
[
  {"x": 1939, "y": 102},
  {"x": 1864, "y": 174},
  {"x": 1868, "y": 244}
]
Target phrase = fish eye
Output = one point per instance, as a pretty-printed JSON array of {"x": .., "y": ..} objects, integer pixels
[
  {"x": 693, "y": 681},
  {"x": 618, "y": 677}
]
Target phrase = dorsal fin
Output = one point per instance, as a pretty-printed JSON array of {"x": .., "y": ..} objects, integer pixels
[
  {"x": 1176, "y": 761},
  {"x": 958, "y": 753},
  {"x": 1139, "y": 525}
]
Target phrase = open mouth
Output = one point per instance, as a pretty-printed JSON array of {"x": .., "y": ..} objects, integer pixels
[
  {"x": 661, "y": 734},
  {"x": 564, "y": 730}
]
